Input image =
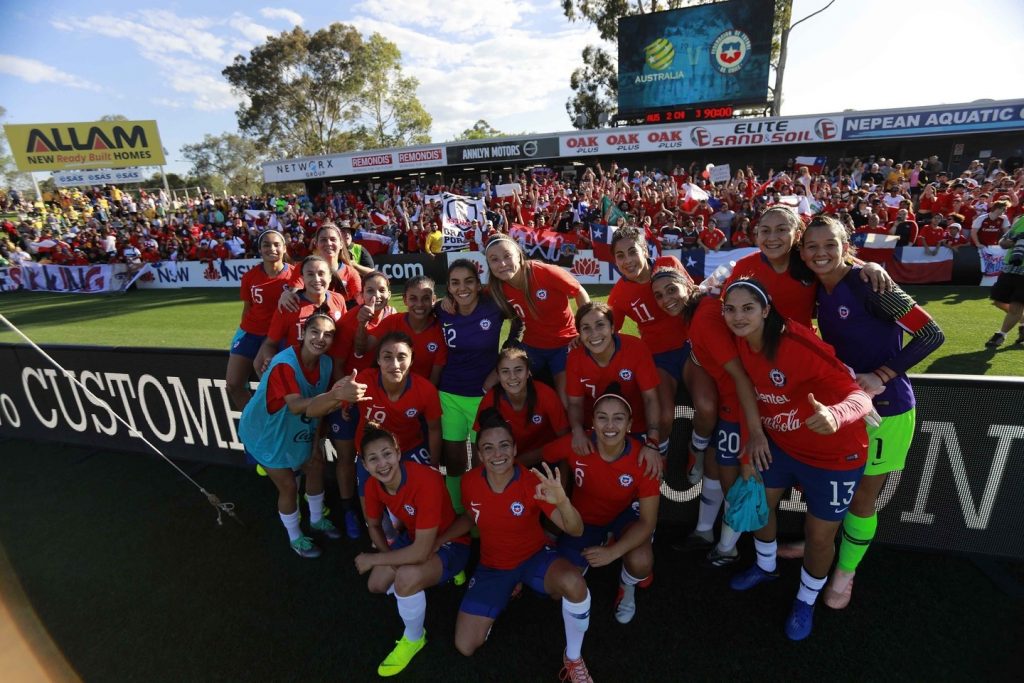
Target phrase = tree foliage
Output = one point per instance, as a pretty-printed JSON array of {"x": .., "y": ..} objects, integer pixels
[
  {"x": 595, "y": 84},
  {"x": 479, "y": 131},
  {"x": 329, "y": 91},
  {"x": 392, "y": 115},
  {"x": 226, "y": 162},
  {"x": 596, "y": 88}
]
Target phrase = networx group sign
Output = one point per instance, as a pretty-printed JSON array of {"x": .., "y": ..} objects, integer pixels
[
  {"x": 99, "y": 144},
  {"x": 962, "y": 489}
]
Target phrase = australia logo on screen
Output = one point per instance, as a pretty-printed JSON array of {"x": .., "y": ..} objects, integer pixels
[
  {"x": 659, "y": 54},
  {"x": 730, "y": 50}
]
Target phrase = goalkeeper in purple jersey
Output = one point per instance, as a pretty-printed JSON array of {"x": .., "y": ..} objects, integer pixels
[{"x": 866, "y": 329}]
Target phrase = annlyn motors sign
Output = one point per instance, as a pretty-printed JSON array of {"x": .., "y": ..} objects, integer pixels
[
  {"x": 511, "y": 150},
  {"x": 746, "y": 133}
]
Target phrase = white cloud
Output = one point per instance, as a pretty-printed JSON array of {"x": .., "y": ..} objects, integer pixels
[
  {"x": 34, "y": 71},
  {"x": 483, "y": 60},
  {"x": 290, "y": 16},
  {"x": 188, "y": 52},
  {"x": 254, "y": 32}
]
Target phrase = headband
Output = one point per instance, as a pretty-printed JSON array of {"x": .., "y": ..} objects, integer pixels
[
  {"x": 259, "y": 240},
  {"x": 319, "y": 314},
  {"x": 747, "y": 283},
  {"x": 612, "y": 394},
  {"x": 668, "y": 272},
  {"x": 500, "y": 237}
]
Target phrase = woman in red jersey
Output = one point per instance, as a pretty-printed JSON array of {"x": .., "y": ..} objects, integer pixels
[
  {"x": 615, "y": 498},
  {"x": 532, "y": 409},
  {"x": 505, "y": 502},
  {"x": 603, "y": 358},
  {"x": 416, "y": 495},
  {"x": 821, "y": 445},
  {"x": 286, "y": 326},
  {"x": 345, "y": 280},
  {"x": 420, "y": 323},
  {"x": 260, "y": 289},
  {"x": 664, "y": 335},
  {"x": 355, "y": 355},
  {"x": 539, "y": 294},
  {"x": 401, "y": 402},
  {"x": 783, "y": 273},
  {"x": 737, "y": 422}
]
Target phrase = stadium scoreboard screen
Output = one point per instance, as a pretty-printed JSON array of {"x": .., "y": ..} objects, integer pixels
[{"x": 682, "y": 61}]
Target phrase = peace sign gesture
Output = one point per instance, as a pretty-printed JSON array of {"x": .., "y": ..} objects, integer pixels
[{"x": 550, "y": 487}]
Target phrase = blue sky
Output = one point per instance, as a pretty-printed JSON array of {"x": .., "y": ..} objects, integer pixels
[{"x": 507, "y": 61}]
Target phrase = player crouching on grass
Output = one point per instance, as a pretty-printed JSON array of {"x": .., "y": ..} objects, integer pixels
[
  {"x": 279, "y": 424},
  {"x": 419, "y": 558},
  {"x": 615, "y": 498},
  {"x": 506, "y": 502}
]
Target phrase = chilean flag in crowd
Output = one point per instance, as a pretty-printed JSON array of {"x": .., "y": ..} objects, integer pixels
[
  {"x": 379, "y": 219},
  {"x": 601, "y": 237},
  {"x": 692, "y": 195},
  {"x": 373, "y": 242},
  {"x": 815, "y": 165},
  {"x": 699, "y": 263},
  {"x": 905, "y": 265}
]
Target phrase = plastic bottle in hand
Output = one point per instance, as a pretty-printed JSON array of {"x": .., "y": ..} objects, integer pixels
[{"x": 713, "y": 283}]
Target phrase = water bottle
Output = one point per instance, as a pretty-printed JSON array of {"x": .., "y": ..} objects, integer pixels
[{"x": 713, "y": 283}]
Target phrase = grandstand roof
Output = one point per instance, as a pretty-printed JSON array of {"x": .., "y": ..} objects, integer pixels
[{"x": 982, "y": 116}]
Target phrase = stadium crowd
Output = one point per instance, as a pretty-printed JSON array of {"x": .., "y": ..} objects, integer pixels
[{"x": 919, "y": 201}]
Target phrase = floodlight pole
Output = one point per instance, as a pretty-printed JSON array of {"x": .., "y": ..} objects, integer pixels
[{"x": 780, "y": 69}]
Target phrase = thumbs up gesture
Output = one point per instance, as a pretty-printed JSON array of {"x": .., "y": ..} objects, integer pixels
[
  {"x": 821, "y": 421},
  {"x": 367, "y": 312},
  {"x": 349, "y": 390}
]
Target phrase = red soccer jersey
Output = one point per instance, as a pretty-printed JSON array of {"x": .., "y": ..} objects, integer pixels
[
  {"x": 631, "y": 366},
  {"x": 990, "y": 230},
  {"x": 805, "y": 365},
  {"x": 406, "y": 418},
  {"x": 553, "y": 326},
  {"x": 509, "y": 521},
  {"x": 713, "y": 345},
  {"x": 712, "y": 237},
  {"x": 792, "y": 298},
  {"x": 603, "y": 489},
  {"x": 659, "y": 331},
  {"x": 532, "y": 431},
  {"x": 346, "y": 281},
  {"x": 931, "y": 235},
  {"x": 286, "y": 326},
  {"x": 262, "y": 292},
  {"x": 429, "y": 348},
  {"x": 282, "y": 383},
  {"x": 347, "y": 331},
  {"x": 421, "y": 501}
]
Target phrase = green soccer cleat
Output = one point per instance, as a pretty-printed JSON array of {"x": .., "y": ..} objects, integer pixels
[
  {"x": 325, "y": 527},
  {"x": 400, "y": 657},
  {"x": 304, "y": 547},
  {"x": 459, "y": 578}
]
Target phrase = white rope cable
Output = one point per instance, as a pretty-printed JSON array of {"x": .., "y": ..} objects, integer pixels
[{"x": 222, "y": 508}]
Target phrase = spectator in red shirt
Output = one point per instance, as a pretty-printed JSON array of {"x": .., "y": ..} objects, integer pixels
[{"x": 711, "y": 238}]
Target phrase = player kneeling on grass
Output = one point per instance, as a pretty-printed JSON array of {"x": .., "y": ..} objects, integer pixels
[
  {"x": 506, "y": 502},
  {"x": 614, "y": 497},
  {"x": 821, "y": 445},
  {"x": 279, "y": 424},
  {"x": 423, "y": 555}
]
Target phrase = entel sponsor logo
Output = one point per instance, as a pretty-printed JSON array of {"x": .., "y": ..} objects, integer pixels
[
  {"x": 372, "y": 160},
  {"x": 774, "y": 399}
]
